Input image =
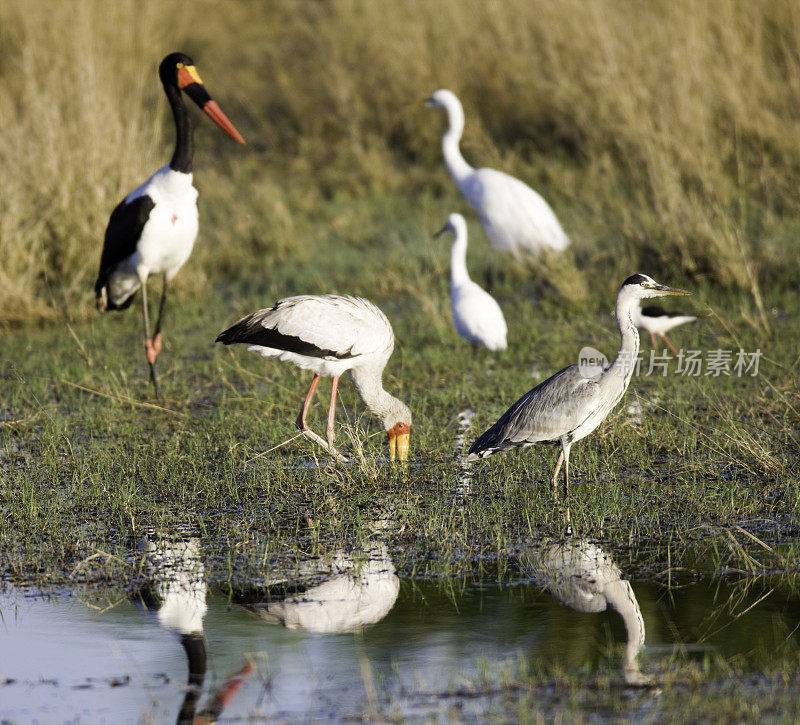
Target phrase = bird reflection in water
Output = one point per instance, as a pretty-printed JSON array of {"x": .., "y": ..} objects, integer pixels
[
  {"x": 358, "y": 589},
  {"x": 176, "y": 596},
  {"x": 583, "y": 577}
]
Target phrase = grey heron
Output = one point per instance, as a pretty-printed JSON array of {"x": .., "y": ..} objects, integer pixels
[
  {"x": 152, "y": 230},
  {"x": 515, "y": 217},
  {"x": 476, "y": 315},
  {"x": 569, "y": 405},
  {"x": 658, "y": 321},
  {"x": 329, "y": 334}
]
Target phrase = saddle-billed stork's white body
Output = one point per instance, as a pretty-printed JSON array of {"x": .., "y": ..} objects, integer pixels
[
  {"x": 515, "y": 217},
  {"x": 476, "y": 315},
  {"x": 176, "y": 594},
  {"x": 658, "y": 321},
  {"x": 152, "y": 231},
  {"x": 166, "y": 239},
  {"x": 331, "y": 334}
]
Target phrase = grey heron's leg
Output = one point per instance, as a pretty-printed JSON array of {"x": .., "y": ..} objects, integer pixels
[
  {"x": 566, "y": 448},
  {"x": 332, "y": 411},
  {"x": 671, "y": 346},
  {"x": 554, "y": 479},
  {"x": 653, "y": 339},
  {"x": 161, "y": 306},
  {"x": 148, "y": 344},
  {"x": 306, "y": 431}
]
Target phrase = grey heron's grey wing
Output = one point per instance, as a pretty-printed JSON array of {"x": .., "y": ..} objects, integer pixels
[{"x": 549, "y": 411}]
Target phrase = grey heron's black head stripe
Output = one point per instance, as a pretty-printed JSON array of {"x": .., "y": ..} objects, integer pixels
[
  {"x": 635, "y": 279},
  {"x": 245, "y": 332}
]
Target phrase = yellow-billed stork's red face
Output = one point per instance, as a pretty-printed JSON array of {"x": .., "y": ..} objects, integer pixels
[
  {"x": 178, "y": 69},
  {"x": 399, "y": 441}
]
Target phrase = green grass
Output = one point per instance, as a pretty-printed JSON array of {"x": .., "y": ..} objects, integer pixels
[
  {"x": 664, "y": 137},
  {"x": 90, "y": 460}
]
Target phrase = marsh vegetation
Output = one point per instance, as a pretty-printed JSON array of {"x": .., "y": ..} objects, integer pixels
[{"x": 663, "y": 135}]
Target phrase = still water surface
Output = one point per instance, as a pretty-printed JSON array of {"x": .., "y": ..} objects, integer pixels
[{"x": 343, "y": 639}]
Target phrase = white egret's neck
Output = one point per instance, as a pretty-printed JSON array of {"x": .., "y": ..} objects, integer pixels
[
  {"x": 458, "y": 257},
  {"x": 625, "y": 362},
  {"x": 456, "y": 164},
  {"x": 369, "y": 386}
]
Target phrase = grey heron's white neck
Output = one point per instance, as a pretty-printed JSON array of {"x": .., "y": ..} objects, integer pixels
[
  {"x": 369, "y": 386},
  {"x": 619, "y": 594},
  {"x": 456, "y": 164},
  {"x": 629, "y": 347}
]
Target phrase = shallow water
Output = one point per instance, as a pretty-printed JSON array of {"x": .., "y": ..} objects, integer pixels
[{"x": 340, "y": 639}]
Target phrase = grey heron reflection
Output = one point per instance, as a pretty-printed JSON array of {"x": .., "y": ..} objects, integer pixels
[{"x": 582, "y": 576}]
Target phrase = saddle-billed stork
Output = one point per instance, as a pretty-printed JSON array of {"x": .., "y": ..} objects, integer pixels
[{"x": 152, "y": 231}]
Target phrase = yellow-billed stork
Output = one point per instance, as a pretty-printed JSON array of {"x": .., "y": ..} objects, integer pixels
[
  {"x": 658, "y": 321},
  {"x": 329, "y": 334}
]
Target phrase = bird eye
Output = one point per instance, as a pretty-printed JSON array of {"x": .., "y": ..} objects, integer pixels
[
  {"x": 643, "y": 284},
  {"x": 180, "y": 65}
]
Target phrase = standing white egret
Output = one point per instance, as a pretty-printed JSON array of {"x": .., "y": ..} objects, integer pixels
[
  {"x": 569, "y": 405},
  {"x": 330, "y": 334},
  {"x": 658, "y": 321},
  {"x": 152, "y": 231},
  {"x": 515, "y": 217},
  {"x": 476, "y": 315}
]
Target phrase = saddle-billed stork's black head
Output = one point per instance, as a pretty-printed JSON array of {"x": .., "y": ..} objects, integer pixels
[{"x": 177, "y": 70}]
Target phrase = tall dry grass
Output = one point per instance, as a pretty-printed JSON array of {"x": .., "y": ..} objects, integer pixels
[{"x": 665, "y": 132}]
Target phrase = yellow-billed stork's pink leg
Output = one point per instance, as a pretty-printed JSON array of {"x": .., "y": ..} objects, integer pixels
[
  {"x": 301, "y": 418},
  {"x": 332, "y": 411},
  {"x": 306, "y": 431},
  {"x": 671, "y": 346},
  {"x": 653, "y": 340}
]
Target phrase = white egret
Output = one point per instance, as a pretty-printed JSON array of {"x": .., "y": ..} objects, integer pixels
[
  {"x": 515, "y": 217},
  {"x": 476, "y": 314}
]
